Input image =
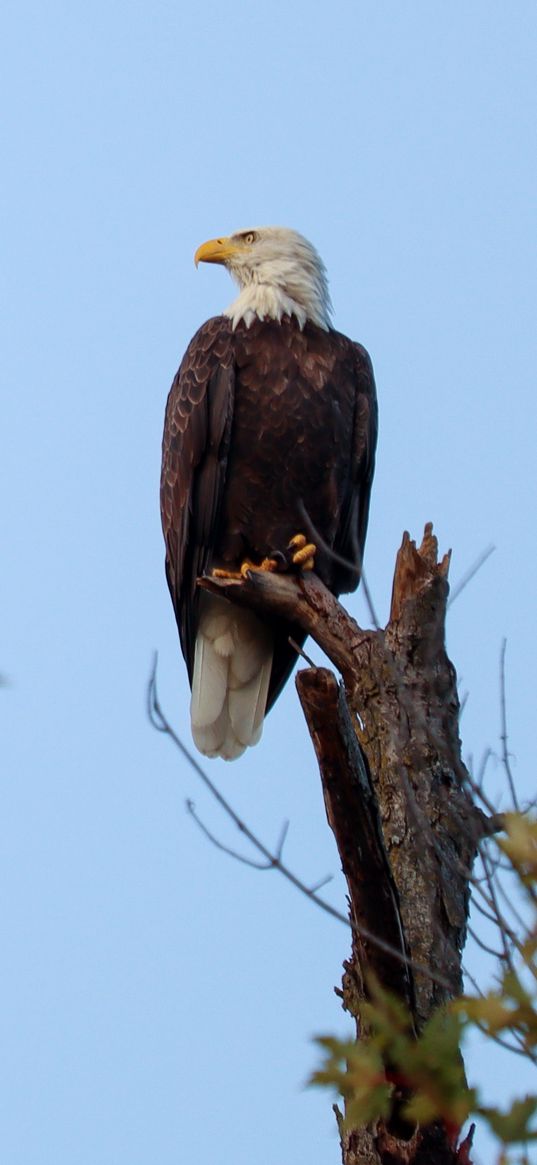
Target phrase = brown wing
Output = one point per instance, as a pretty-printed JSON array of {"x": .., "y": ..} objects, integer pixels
[
  {"x": 194, "y": 457},
  {"x": 350, "y": 538}
]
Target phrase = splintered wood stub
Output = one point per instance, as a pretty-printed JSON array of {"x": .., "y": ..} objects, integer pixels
[{"x": 415, "y": 568}]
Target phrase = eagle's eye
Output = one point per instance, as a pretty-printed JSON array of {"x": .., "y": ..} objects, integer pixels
[{"x": 249, "y": 238}]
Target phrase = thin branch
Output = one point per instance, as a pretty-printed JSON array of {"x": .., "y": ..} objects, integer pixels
[
  {"x": 283, "y": 836},
  {"x": 520, "y": 1048},
  {"x": 503, "y": 736},
  {"x": 162, "y": 724},
  {"x": 490, "y": 900},
  {"x": 232, "y": 853},
  {"x": 485, "y": 913},
  {"x": 275, "y": 860},
  {"x": 468, "y": 975},
  {"x": 483, "y": 945},
  {"x": 482, "y": 768},
  {"x": 369, "y": 599},
  {"x": 300, "y": 651},
  {"x": 502, "y": 923},
  {"x": 494, "y": 858},
  {"x": 324, "y": 882},
  {"x": 357, "y": 568},
  {"x": 496, "y": 819},
  {"x": 508, "y": 899},
  {"x": 470, "y": 574}
]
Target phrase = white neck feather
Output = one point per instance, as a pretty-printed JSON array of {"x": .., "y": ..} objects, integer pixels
[{"x": 264, "y": 302}]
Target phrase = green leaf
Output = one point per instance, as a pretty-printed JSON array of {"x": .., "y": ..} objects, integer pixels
[
  {"x": 513, "y": 1125},
  {"x": 356, "y": 1072},
  {"x": 491, "y": 1011},
  {"x": 520, "y": 845}
]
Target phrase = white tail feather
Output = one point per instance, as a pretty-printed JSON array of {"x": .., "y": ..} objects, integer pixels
[
  {"x": 247, "y": 704},
  {"x": 209, "y": 683},
  {"x": 232, "y": 666}
]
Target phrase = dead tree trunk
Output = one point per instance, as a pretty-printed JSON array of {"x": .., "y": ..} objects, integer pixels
[{"x": 388, "y": 749}]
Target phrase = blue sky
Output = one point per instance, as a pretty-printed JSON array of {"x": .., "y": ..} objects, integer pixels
[{"x": 159, "y": 1000}]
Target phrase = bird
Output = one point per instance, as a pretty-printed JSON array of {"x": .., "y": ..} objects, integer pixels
[{"x": 269, "y": 444}]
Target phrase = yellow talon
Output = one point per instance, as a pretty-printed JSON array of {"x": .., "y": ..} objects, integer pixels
[
  {"x": 303, "y": 557},
  {"x": 268, "y": 564},
  {"x": 305, "y": 552},
  {"x": 217, "y": 572}
]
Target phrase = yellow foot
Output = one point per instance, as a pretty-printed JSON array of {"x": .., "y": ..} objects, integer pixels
[
  {"x": 217, "y": 573},
  {"x": 268, "y": 564},
  {"x": 304, "y": 552}
]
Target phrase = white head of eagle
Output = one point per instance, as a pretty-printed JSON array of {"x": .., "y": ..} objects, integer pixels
[
  {"x": 279, "y": 273},
  {"x": 267, "y": 462}
]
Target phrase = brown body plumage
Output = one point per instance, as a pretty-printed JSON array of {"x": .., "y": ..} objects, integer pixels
[{"x": 270, "y": 429}]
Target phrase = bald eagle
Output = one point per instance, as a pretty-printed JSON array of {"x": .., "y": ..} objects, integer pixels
[{"x": 269, "y": 441}]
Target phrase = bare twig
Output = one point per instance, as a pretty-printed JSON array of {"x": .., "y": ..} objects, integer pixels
[
  {"x": 300, "y": 651},
  {"x": 490, "y": 899},
  {"x": 324, "y": 882},
  {"x": 503, "y": 736},
  {"x": 502, "y": 923},
  {"x": 519, "y": 1048},
  {"x": 483, "y": 945},
  {"x": 369, "y": 598},
  {"x": 162, "y": 724},
  {"x": 470, "y": 573},
  {"x": 351, "y": 566},
  {"x": 232, "y": 853},
  {"x": 508, "y": 899},
  {"x": 496, "y": 822},
  {"x": 282, "y": 840},
  {"x": 482, "y": 768},
  {"x": 485, "y": 913}
]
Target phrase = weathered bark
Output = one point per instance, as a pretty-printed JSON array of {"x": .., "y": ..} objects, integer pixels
[
  {"x": 388, "y": 748},
  {"x": 353, "y": 815}
]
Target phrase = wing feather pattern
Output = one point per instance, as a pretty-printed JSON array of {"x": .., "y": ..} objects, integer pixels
[
  {"x": 194, "y": 459},
  {"x": 351, "y": 534}
]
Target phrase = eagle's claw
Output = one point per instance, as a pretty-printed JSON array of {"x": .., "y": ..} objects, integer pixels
[
  {"x": 303, "y": 552},
  {"x": 299, "y": 555},
  {"x": 246, "y": 567}
]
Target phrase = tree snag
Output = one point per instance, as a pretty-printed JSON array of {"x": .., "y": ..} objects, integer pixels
[{"x": 394, "y": 785}]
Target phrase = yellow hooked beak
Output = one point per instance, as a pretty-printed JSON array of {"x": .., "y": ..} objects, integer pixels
[{"x": 216, "y": 251}]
